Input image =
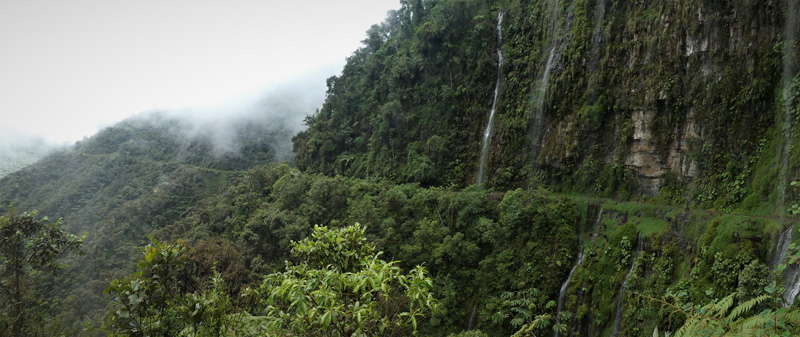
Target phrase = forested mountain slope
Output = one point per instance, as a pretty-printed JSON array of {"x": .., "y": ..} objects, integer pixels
[
  {"x": 638, "y": 169},
  {"x": 126, "y": 181},
  {"x": 612, "y": 98},
  {"x": 498, "y": 258}
]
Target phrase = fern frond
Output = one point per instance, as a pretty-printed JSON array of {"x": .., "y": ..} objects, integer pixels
[
  {"x": 745, "y": 307},
  {"x": 721, "y": 308},
  {"x": 755, "y": 322},
  {"x": 687, "y": 329},
  {"x": 750, "y": 332},
  {"x": 791, "y": 317}
]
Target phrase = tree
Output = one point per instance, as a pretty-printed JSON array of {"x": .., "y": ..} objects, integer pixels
[
  {"x": 341, "y": 287},
  {"x": 29, "y": 248},
  {"x": 149, "y": 298},
  {"x": 162, "y": 299}
]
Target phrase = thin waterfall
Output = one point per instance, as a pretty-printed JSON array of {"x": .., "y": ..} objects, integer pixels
[
  {"x": 597, "y": 223},
  {"x": 789, "y": 71},
  {"x": 540, "y": 95},
  {"x": 599, "y": 14},
  {"x": 792, "y": 272},
  {"x": 488, "y": 132},
  {"x": 793, "y": 287},
  {"x": 783, "y": 246},
  {"x": 597, "y": 41},
  {"x": 538, "y": 111},
  {"x": 618, "y": 302},
  {"x": 471, "y": 322},
  {"x": 562, "y": 294}
]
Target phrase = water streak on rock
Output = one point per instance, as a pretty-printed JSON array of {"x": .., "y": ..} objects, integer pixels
[{"x": 488, "y": 132}]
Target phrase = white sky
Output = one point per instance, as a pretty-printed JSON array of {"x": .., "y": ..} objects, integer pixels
[{"x": 70, "y": 67}]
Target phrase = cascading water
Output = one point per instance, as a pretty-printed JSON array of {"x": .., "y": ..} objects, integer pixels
[
  {"x": 488, "y": 132},
  {"x": 783, "y": 246},
  {"x": 545, "y": 76},
  {"x": 793, "y": 286},
  {"x": 471, "y": 322},
  {"x": 597, "y": 41},
  {"x": 599, "y": 14},
  {"x": 540, "y": 95},
  {"x": 562, "y": 294},
  {"x": 792, "y": 273},
  {"x": 597, "y": 224},
  {"x": 618, "y": 302},
  {"x": 538, "y": 111}
]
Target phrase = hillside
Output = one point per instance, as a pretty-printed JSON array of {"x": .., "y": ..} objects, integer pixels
[
  {"x": 123, "y": 183},
  {"x": 566, "y": 168}
]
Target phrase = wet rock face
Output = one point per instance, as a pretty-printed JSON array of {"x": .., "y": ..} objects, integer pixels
[
  {"x": 610, "y": 97},
  {"x": 643, "y": 156},
  {"x": 676, "y": 78}
]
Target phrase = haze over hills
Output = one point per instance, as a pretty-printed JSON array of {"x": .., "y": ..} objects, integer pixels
[
  {"x": 249, "y": 130},
  {"x": 18, "y": 150},
  {"x": 142, "y": 173},
  {"x": 565, "y": 168}
]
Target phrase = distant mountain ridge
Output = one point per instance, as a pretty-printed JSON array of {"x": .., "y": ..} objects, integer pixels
[
  {"x": 140, "y": 175},
  {"x": 18, "y": 150}
]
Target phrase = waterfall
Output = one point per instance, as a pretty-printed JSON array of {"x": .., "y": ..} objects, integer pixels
[
  {"x": 540, "y": 95},
  {"x": 597, "y": 223},
  {"x": 618, "y": 302},
  {"x": 783, "y": 246},
  {"x": 562, "y": 294},
  {"x": 788, "y": 73},
  {"x": 792, "y": 272},
  {"x": 488, "y": 132},
  {"x": 471, "y": 322},
  {"x": 538, "y": 111},
  {"x": 597, "y": 41},
  {"x": 599, "y": 14},
  {"x": 793, "y": 286}
]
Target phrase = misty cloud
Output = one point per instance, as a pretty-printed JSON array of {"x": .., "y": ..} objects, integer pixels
[
  {"x": 259, "y": 123},
  {"x": 18, "y": 150}
]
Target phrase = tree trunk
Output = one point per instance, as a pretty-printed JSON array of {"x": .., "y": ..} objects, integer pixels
[{"x": 17, "y": 311}]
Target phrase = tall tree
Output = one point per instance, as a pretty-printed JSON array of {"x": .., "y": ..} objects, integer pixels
[{"x": 29, "y": 248}]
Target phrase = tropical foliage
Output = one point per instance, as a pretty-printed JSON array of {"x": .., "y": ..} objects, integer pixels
[
  {"x": 30, "y": 248},
  {"x": 341, "y": 287}
]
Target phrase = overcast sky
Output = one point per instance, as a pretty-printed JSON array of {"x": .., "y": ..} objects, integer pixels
[{"x": 70, "y": 67}]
